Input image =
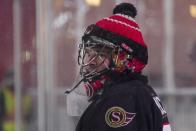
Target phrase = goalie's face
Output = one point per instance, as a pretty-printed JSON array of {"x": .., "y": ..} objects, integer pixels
[{"x": 94, "y": 58}]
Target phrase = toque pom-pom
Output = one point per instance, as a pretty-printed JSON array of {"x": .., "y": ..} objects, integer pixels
[{"x": 126, "y": 9}]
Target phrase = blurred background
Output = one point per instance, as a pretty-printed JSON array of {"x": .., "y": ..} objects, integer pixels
[{"x": 38, "y": 58}]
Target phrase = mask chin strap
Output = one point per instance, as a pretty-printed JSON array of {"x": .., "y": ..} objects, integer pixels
[{"x": 68, "y": 91}]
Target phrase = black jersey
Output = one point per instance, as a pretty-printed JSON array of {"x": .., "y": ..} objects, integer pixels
[{"x": 125, "y": 105}]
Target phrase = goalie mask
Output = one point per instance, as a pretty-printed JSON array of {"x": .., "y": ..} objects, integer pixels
[{"x": 102, "y": 51}]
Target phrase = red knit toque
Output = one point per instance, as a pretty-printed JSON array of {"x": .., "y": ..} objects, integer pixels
[{"x": 124, "y": 26}]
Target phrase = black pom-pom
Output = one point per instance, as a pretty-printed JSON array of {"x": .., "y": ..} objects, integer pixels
[{"x": 126, "y": 9}]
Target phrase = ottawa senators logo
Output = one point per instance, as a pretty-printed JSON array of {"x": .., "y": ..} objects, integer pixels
[{"x": 117, "y": 117}]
